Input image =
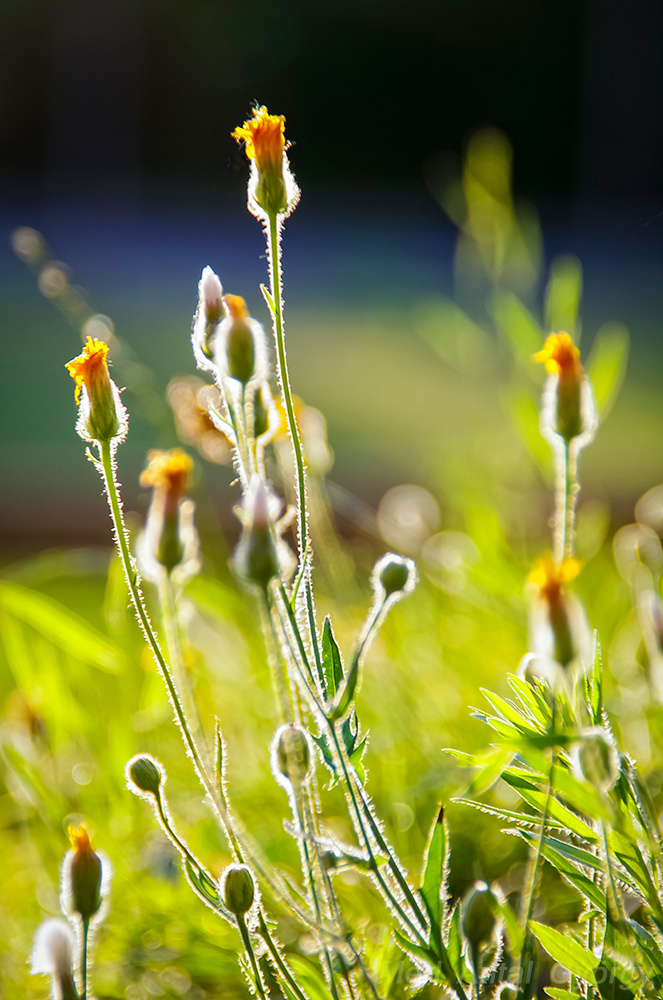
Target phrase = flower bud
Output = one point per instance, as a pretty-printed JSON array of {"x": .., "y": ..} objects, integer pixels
[
  {"x": 568, "y": 406},
  {"x": 101, "y": 415},
  {"x": 291, "y": 753},
  {"x": 596, "y": 759},
  {"x": 394, "y": 575},
  {"x": 170, "y": 539},
  {"x": 554, "y": 633},
  {"x": 478, "y": 915},
  {"x": 52, "y": 955},
  {"x": 145, "y": 773},
  {"x": 238, "y": 889},
  {"x": 272, "y": 188},
  {"x": 255, "y": 556},
  {"x": 239, "y": 345},
  {"x": 208, "y": 315},
  {"x": 84, "y": 875}
]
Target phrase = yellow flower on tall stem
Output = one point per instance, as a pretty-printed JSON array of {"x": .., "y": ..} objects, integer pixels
[
  {"x": 569, "y": 385},
  {"x": 272, "y": 188},
  {"x": 549, "y": 579},
  {"x": 101, "y": 415}
]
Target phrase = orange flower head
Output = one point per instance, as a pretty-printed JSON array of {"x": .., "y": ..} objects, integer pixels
[
  {"x": 80, "y": 840},
  {"x": 264, "y": 138},
  {"x": 101, "y": 415},
  {"x": 236, "y": 306},
  {"x": 550, "y": 577},
  {"x": 272, "y": 188},
  {"x": 168, "y": 471},
  {"x": 560, "y": 356},
  {"x": 90, "y": 368}
]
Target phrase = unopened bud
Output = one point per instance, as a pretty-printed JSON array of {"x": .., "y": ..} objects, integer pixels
[
  {"x": 272, "y": 189},
  {"x": 568, "y": 406},
  {"x": 255, "y": 556},
  {"x": 596, "y": 759},
  {"x": 238, "y": 889},
  {"x": 292, "y": 753},
  {"x": 478, "y": 915},
  {"x": 145, "y": 773},
  {"x": 394, "y": 574},
  {"x": 240, "y": 346},
  {"x": 84, "y": 875}
]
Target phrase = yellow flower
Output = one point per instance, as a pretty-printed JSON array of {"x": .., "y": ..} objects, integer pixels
[
  {"x": 90, "y": 368},
  {"x": 264, "y": 138},
  {"x": 168, "y": 471},
  {"x": 272, "y": 188},
  {"x": 102, "y": 417},
  {"x": 568, "y": 409},
  {"x": 560, "y": 355},
  {"x": 550, "y": 576}
]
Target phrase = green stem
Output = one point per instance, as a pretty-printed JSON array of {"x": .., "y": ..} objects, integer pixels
[
  {"x": 86, "y": 931},
  {"x": 532, "y": 875},
  {"x": 246, "y": 939},
  {"x": 278, "y": 958},
  {"x": 274, "y": 251}
]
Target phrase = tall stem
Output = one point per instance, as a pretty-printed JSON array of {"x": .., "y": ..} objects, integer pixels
[{"x": 274, "y": 251}]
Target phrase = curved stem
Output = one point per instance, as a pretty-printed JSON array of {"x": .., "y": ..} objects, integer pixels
[
  {"x": 84, "y": 943},
  {"x": 246, "y": 939}
]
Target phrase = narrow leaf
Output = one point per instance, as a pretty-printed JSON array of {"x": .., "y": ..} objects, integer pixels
[
  {"x": 331, "y": 659},
  {"x": 567, "y": 951}
]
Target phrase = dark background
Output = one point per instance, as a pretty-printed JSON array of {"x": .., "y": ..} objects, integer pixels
[
  {"x": 115, "y": 124},
  {"x": 133, "y": 93}
]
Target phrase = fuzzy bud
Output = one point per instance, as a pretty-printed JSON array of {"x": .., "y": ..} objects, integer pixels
[
  {"x": 568, "y": 407},
  {"x": 478, "y": 915},
  {"x": 395, "y": 576},
  {"x": 52, "y": 955},
  {"x": 240, "y": 346},
  {"x": 101, "y": 415},
  {"x": 145, "y": 774},
  {"x": 238, "y": 889},
  {"x": 596, "y": 759},
  {"x": 272, "y": 188},
  {"x": 292, "y": 753},
  {"x": 84, "y": 875},
  {"x": 255, "y": 556}
]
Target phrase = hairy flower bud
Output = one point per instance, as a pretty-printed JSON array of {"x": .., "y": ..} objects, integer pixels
[
  {"x": 52, "y": 955},
  {"x": 272, "y": 188},
  {"x": 145, "y": 773},
  {"x": 101, "y": 415},
  {"x": 84, "y": 875},
  {"x": 291, "y": 753},
  {"x": 255, "y": 557},
  {"x": 556, "y": 624},
  {"x": 596, "y": 758},
  {"x": 238, "y": 889},
  {"x": 394, "y": 576},
  {"x": 568, "y": 406},
  {"x": 170, "y": 539},
  {"x": 478, "y": 914}
]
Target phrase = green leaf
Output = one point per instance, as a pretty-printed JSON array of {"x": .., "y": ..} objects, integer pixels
[
  {"x": 557, "y": 812},
  {"x": 308, "y": 978},
  {"x": 60, "y": 626},
  {"x": 561, "y": 994},
  {"x": 553, "y": 851},
  {"x": 566, "y": 950},
  {"x": 517, "y": 324},
  {"x": 455, "y": 942},
  {"x": 606, "y": 366},
  {"x": 331, "y": 659},
  {"x": 435, "y": 862},
  {"x": 201, "y": 881},
  {"x": 490, "y": 771}
]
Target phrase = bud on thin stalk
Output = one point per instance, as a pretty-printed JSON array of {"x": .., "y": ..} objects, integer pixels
[{"x": 101, "y": 416}]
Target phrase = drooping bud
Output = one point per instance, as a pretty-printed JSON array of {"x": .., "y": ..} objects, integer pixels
[
  {"x": 208, "y": 314},
  {"x": 568, "y": 406},
  {"x": 145, "y": 774},
  {"x": 101, "y": 415},
  {"x": 238, "y": 889},
  {"x": 596, "y": 759},
  {"x": 83, "y": 869},
  {"x": 394, "y": 576},
  {"x": 52, "y": 955},
  {"x": 291, "y": 754},
  {"x": 553, "y": 613},
  {"x": 480, "y": 921},
  {"x": 255, "y": 557},
  {"x": 272, "y": 188},
  {"x": 169, "y": 541}
]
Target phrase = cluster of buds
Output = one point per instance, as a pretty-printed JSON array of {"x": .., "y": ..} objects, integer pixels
[
  {"x": 568, "y": 411},
  {"x": 101, "y": 416},
  {"x": 169, "y": 543}
]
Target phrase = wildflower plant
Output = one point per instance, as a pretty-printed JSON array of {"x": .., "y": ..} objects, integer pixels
[{"x": 584, "y": 809}]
